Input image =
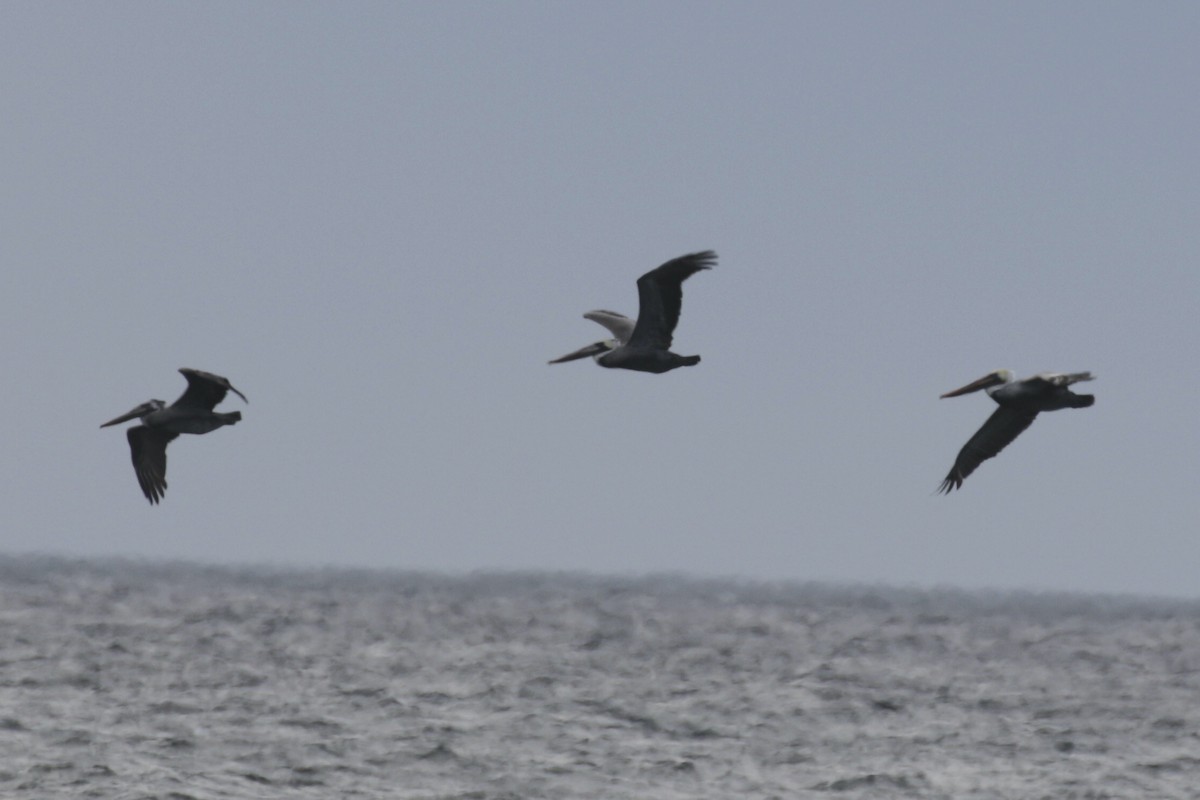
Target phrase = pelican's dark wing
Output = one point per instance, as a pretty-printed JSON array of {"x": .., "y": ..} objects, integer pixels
[
  {"x": 660, "y": 295},
  {"x": 1004, "y": 425},
  {"x": 148, "y": 448},
  {"x": 205, "y": 390}
]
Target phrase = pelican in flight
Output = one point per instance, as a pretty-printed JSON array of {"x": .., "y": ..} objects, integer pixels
[
  {"x": 645, "y": 345},
  {"x": 1020, "y": 402},
  {"x": 191, "y": 413}
]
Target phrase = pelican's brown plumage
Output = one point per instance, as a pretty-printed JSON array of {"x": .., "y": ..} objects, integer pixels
[
  {"x": 191, "y": 413},
  {"x": 1020, "y": 403},
  {"x": 645, "y": 345}
]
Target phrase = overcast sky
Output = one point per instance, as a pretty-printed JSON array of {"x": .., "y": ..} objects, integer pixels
[{"x": 380, "y": 220}]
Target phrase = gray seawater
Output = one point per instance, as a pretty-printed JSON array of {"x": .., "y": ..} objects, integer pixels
[{"x": 131, "y": 680}]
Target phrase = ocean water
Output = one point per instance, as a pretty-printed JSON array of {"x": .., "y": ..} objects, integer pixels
[{"x": 132, "y": 680}]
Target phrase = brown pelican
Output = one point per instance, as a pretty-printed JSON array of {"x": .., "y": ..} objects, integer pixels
[
  {"x": 1020, "y": 402},
  {"x": 645, "y": 346},
  {"x": 191, "y": 413}
]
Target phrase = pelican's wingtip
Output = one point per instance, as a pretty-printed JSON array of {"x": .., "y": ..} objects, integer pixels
[{"x": 951, "y": 483}]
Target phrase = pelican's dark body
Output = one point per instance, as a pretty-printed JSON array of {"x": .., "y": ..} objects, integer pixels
[
  {"x": 647, "y": 360},
  {"x": 1020, "y": 402},
  {"x": 645, "y": 346},
  {"x": 161, "y": 424},
  {"x": 184, "y": 420},
  {"x": 1037, "y": 394}
]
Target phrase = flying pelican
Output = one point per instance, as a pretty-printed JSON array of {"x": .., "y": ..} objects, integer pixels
[
  {"x": 645, "y": 345},
  {"x": 1020, "y": 402},
  {"x": 191, "y": 413}
]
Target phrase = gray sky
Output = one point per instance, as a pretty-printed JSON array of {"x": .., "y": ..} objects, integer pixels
[{"x": 380, "y": 220}]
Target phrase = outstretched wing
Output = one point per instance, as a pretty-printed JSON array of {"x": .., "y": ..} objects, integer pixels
[
  {"x": 205, "y": 390},
  {"x": 1004, "y": 425},
  {"x": 148, "y": 449},
  {"x": 660, "y": 296}
]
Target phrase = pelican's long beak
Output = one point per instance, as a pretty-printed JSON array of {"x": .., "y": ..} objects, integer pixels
[
  {"x": 134, "y": 414},
  {"x": 990, "y": 379},
  {"x": 594, "y": 349}
]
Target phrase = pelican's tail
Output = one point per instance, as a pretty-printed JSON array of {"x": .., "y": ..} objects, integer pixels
[{"x": 1082, "y": 400}]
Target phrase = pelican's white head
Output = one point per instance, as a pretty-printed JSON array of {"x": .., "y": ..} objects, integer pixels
[
  {"x": 604, "y": 346},
  {"x": 1003, "y": 378},
  {"x": 991, "y": 382},
  {"x": 595, "y": 350},
  {"x": 148, "y": 407}
]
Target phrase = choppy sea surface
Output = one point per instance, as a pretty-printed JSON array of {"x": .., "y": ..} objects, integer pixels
[{"x": 132, "y": 680}]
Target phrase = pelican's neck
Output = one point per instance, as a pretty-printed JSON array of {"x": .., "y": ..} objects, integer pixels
[
  {"x": 606, "y": 346},
  {"x": 1003, "y": 378}
]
